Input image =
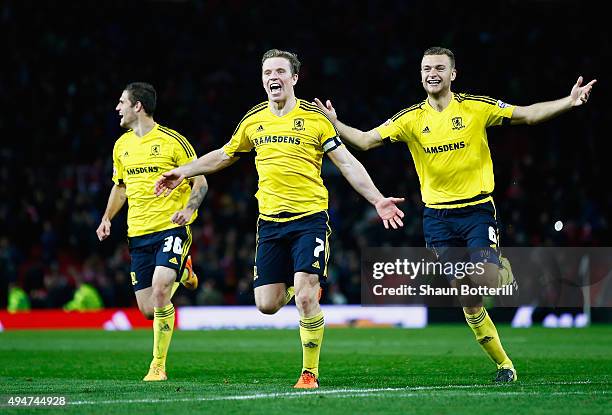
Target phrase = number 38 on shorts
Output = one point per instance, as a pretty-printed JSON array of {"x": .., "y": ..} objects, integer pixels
[{"x": 168, "y": 248}]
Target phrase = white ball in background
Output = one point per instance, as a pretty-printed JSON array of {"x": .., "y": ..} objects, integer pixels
[{"x": 558, "y": 225}]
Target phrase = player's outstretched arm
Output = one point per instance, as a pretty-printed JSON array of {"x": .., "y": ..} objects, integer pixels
[
  {"x": 198, "y": 192},
  {"x": 359, "y": 178},
  {"x": 209, "y": 163},
  {"x": 543, "y": 111},
  {"x": 116, "y": 200},
  {"x": 362, "y": 140}
]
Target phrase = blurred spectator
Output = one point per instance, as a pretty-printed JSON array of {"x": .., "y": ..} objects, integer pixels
[
  {"x": 18, "y": 300},
  {"x": 56, "y": 289},
  {"x": 86, "y": 298},
  {"x": 209, "y": 295}
]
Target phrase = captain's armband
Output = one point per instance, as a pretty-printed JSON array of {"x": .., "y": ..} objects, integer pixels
[{"x": 331, "y": 144}]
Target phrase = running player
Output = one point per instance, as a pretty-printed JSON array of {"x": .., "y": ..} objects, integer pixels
[
  {"x": 446, "y": 135},
  {"x": 290, "y": 137},
  {"x": 159, "y": 236}
]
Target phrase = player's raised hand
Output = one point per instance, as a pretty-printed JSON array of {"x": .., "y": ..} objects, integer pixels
[
  {"x": 168, "y": 182},
  {"x": 104, "y": 229},
  {"x": 389, "y": 212},
  {"x": 580, "y": 94},
  {"x": 328, "y": 109}
]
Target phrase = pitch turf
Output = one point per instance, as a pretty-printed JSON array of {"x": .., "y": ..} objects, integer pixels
[{"x": 438, "y": 370}]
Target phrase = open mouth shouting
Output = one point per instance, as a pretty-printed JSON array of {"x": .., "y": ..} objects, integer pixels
[{"x": 275, "y": 88}]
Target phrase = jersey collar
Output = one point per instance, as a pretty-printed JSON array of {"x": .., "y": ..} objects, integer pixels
[
  {"x": 297, "y": 105},
  {"x": 433, "y": 110}
]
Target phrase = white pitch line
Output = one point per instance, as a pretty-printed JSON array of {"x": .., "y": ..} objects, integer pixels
[
  {"x": 353, "y": 393},
  {"x": 479, "y": 394}
]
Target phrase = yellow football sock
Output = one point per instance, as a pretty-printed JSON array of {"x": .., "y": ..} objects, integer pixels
[
  {"x": 289, "y": 294},
  {"x": 174, "y": 287},
  {"x": 163, "y": 326},
  {"x": 311, "y": 334},
  {"x": 486, "y": 335}
]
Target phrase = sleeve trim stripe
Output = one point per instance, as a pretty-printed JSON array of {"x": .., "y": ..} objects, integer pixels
[
  {"x": 407, "y": 110},
  {"x": 249, "y": 113},
  {"x": 256, "y": 108},
  {"x": 182, "y": 140},
  {"x": 331, "y": 144},
  {"x": 179, "y": 137},
  {"x": 481, "y": 100},
  {"x": 310, "y": 107},
  {"x": 480, "y": 96},
  {"x": 306, "y": 107},
  {"x": 491, "y": 101}
]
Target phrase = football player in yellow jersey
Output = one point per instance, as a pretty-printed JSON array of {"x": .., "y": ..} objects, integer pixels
[
  {"x": 159, "y": 237},
  {"x": 290, "y": 137},
  {"x": 446, "y": 136}
]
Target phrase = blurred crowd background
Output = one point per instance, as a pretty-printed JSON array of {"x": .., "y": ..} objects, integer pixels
[{"x": 65, "y": 65}]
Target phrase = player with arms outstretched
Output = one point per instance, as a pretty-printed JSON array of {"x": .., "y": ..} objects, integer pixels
[
  {"x": 159, "y": 236},
  {"x": 290, "y": 137},
  {"x": 446, "y": 135}
]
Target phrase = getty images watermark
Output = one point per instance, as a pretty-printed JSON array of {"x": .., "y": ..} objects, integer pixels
[
  {"x": 551, "y": 277},
  {"x": 405, "y": 268}
]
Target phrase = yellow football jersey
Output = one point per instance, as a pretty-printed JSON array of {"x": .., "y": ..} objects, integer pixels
[
  {"x": 450, "y": 148},
  {"x": 138, "y": 162},
  {"x": 289, "y": 152}
]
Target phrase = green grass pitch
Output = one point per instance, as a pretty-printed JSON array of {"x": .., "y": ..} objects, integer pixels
[{"x": 437, "y": 370}]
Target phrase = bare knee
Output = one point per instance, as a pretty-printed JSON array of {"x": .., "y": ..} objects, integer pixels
[
  {"x": 306, "y": 300},
  {"x": 268, "y": 307},
  {"x": 159, "y": 295},
  {"x": 270, "y": 298},
  {"x": 490, "y": 277}
]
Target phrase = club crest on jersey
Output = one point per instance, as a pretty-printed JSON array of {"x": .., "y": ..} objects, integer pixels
[
  {"x": 458, "y": 123},
  {"x": 298, "y": 124},
  {"x": 155, "y": 150}
]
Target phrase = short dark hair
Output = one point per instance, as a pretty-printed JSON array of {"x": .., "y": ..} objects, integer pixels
[
  {"x": 145, "y": 93},
  {"x": 291, "y": 57},
  {"x": 437, "y": 50}
]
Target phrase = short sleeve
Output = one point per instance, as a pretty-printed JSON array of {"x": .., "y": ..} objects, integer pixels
[
  {"x": 391, "y": 129},
  {"x": 499, "y": 113},
  {"x": 183, "y": 150},
  {"x": 117, "y": 166},
  {"x": 329, "y": 137},
  {"x": 239, "y": 143}
]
